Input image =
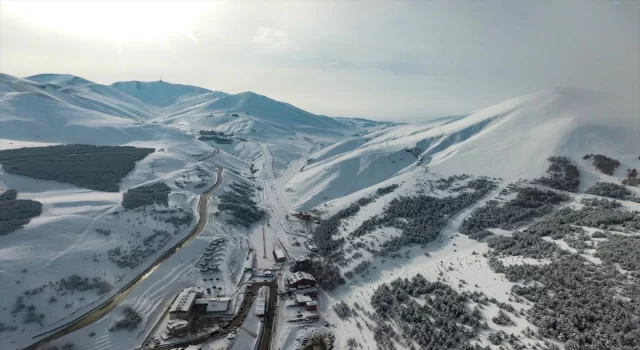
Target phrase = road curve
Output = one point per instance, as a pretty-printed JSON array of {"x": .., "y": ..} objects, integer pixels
[{"x": 103, "y": 309}]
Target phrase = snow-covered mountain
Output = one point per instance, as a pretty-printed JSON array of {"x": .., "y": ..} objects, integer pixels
[
  {"x": 159, "y": 93},
  {"x": 101, "y": 98},
  {"x": 248, "y": 113},
  {"x": 292, "y": 160},
  {"x": 510, "y": 140}
]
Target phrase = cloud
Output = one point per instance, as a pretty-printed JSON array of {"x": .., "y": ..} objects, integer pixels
[
  {"x": 271, "y": 37},
  {"x": 393, "y": 60}
]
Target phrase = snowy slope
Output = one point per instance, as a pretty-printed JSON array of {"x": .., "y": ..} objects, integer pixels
[
  {"x": 63, "y": 240},
  {"x": 250, "y": 114},
  {"x": 93, "y": 96},
  {"x": 510, "y": 140},
  {"x": 365, "y": 125},
  {"x": 159, "y": 93},
  {"x": 31, "y": 111}
]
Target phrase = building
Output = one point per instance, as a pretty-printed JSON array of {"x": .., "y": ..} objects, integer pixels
[
  {"x": 312, "y": 247},
  {"x": 310, "y": 291},
  {"x": 311, "y": 305},
  {"x": 302, "y": 216},
  {"x": 301, "y": 299},
  {"x": 262, "y": 301},
  {"x": 249, "y": 262},
  {"x": 181, "y": 307},
  {"x": 214, "y": 306},
  {"x": 177, "y": 328},
  {"x": 300, "y": 280},
  {"x": 301, "y": 263},
  {"x": 313, "y": 317},
  {"x": 278, "y": 254}
]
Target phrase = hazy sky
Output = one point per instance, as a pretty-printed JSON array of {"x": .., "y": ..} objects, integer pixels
[{"x": 384, "y": 60}]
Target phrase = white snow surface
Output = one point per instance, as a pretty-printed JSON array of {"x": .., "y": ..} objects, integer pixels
[
  {"x": 510, "y": 140},
  {"x": 300, "y": 161},
  {"x": 160, "y": 93}
]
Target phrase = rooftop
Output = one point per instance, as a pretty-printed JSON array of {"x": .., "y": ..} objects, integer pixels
[{"x": 183, "y": 302}]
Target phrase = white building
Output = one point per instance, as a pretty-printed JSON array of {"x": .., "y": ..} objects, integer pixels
[
  {"x": 181, "y": 307},
  {"x": 215, "y": 306},
  {"x": 248, "y": 264},
  {"x": 177, "y": 328},
  {"x": 262, "y": 301}
]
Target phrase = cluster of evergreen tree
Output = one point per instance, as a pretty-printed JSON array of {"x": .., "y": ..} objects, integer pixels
[
  {"x": 386, "y": 190},
  {"x": 146, "y": 195},
  {"x": 578, "y": 302},
  {"x": 562, "y": 175},
  {"x": 612, "y": 190},
  {"x": 129, "y": 322},
  {"x": 523, "y": 244},
  {"x": 240, "y": 204},
  {"x": 567, "y": 221},
  {"x": 134, "y": 256},
  {"x": 212, "y": 132},
  {"x": 358, "y": 269},
  {"x": 480, "y": 235},
  {"x": 420, "y": 218},
  {"x": 443, "y": 322},
  {"x": 528, "y": 204},
  {"x": 342, "y": 309},
  {"x": 324, "y": 232},
  {"x": 583, "y": 304},
  {"x": 326, "y": 273},
  {"x": 98, "y": 168},
  {"x": 76, "y": 283},
  {"x": 623, "y": 251},
  {"x": 502, "y": 319},
  {"x": 603, "y": 163},
  {"x": 632, "y": 178},
  {"x": 9, "y": 195},
  {"x": 600, "y": 203},
  {"x": 15, "y": 213},
  {"x": 217, "y": 139}
]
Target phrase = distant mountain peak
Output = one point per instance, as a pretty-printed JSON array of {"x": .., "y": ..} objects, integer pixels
[
  {"x": 159, "y": 93},
  {"x": 59, "y": 79}
]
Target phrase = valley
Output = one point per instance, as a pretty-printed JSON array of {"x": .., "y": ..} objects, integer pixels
[{"x": 482, "y": 231}]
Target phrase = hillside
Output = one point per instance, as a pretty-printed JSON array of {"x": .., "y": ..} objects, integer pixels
[
  {"x": 242, "y": 112},
  {"x": 510, "y": 140},
  {"x": 97, "y": 97},
  {"x": 456, "y": 207},
  {"x": 159, "y": 93}
]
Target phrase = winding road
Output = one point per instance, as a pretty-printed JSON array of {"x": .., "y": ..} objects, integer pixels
[{"x": 108, "y": 305}]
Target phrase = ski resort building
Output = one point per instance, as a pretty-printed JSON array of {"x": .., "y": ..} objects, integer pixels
[
  {"x": 251, "y": 258},
  {"x": 311, "y": 305},
  {"x": 301, "y": 263},
  {"x": 300, "y": 280},
  {"x": 181, "y": 307},
  {"x": 177, "y": 328},
  {"x": 278, "y": 254},
  {"x": 213, "y": 306},
  {"x": 262, "y": 301},
  {"x": 310, "y": 291},
  {"x": 218, "y": 305},
  {"x": 301, "y": 299}
]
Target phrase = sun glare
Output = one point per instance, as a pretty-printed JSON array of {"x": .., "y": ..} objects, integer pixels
[{"x": 120, "y": 21}]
